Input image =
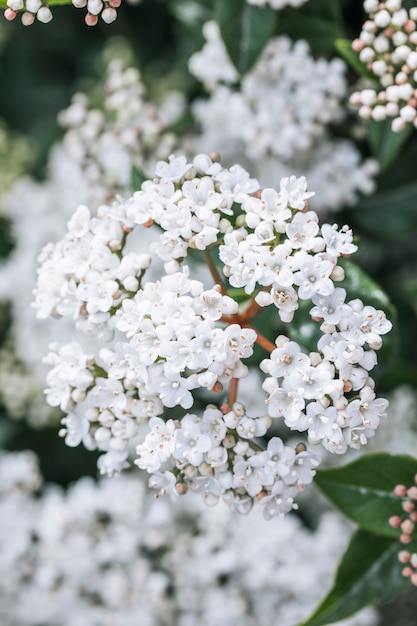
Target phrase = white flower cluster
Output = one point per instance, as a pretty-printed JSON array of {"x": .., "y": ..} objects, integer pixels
[
  {"x": 153, "y": 343},
  {"x": 279, "y": 116},
  {"x": 277, "y": 4},
  {"x": 91, "y": 165},
  {"x": 104, "y": 553},
  {"x": 126, "y": 130},
  {"x": 387, "y": 46}
]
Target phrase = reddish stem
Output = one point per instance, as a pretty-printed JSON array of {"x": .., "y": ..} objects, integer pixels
[
  {"x": 231, "y": 399},
  {"x": 248, "y": 315},
  {"x": 215, "y": 272},
  {"x": 262, "y": 341}
]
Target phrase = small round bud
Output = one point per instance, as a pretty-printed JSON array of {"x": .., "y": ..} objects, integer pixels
[
  {"x": 9, "y": 14},
  {"x": 394, "y": 521},
  {"x": 44, "y": 15},
  {"x": 27, "y": 18},
  {"x": 407, "y": 572},
  {"x": 181, "y": 488},
  {"x": 400, "y": 491},
  {"x": 91, "y": 20},
  {"x": 109, "y": 15},
  {"x": 404, "y": 556}
]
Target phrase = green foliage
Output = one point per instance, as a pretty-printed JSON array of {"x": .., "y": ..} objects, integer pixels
[
  {"x": 245, "y": 30},
  {"x": 137, "y": 178},
  {"x": 363, "y": 490},
  {"x": 385, "y": 144},
  {"x": 369, "y": 572},
  {"x": 344, "y": 47}
]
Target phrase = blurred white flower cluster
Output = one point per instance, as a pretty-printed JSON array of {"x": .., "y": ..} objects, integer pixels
[
  {"x": 387, "y": 46},
  {"x": 106, "y": 553},
  {"x": 91, "y": 165},
  {"x": 127, "y": 130},
  {"x": 278, "y": 118},
  {"x": 153, "y": 335}
]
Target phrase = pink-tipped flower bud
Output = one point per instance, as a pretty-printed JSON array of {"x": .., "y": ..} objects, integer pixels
[
  {"x": 9, "y": 14},
  {"x": 412, "y": 493},
  {"x": 27, "y": 18},
  {"x": 91, "y": 20},
  {"x": 394, "y": 521},
  {"x": 109, "y": 15},
  {"x": 408, "y": 506},
  {"x": 407, "y": 526},
  {"x": 400, "y": 491},
  {"x": 407, "y": 572},
  {"x": 404, "y": 556}
]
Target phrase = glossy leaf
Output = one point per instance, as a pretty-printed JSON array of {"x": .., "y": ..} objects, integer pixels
[
  {"x": 369, "y": 573},
  {"x": 363, "y": 490},
  {"x": 245, "y": 30},
  {"x": 359, "y": 284},
  {"x": 320, "y": 33},
  {"x": 389, "y": 213},
  {"x": 344, "y": 47},
  {"x": 385, "y": 144},
  {"x": 137, "y": 178}
]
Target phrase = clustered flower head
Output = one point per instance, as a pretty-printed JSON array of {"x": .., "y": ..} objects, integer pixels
[
  {"x": 163, "y": 353},
  {"x": 126, "y": 129},
  {"x": 104, "y": 552},
  {"x": 406, "y": 523},
  {"x": 279, "y": 116},
  {"x": 387, "y": 46}
]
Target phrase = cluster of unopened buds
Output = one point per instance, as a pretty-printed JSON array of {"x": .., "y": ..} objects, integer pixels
[
  {"x": 387, "y": 46},
  {"x": 39, "y": 9},
  {"x": 277, "y": 4},
  {"x": 159, "y": 349},
  {"x": 407, "y": 523}
]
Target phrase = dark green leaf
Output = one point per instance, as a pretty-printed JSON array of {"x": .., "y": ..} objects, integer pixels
[
  {"x": 245, "y": 30},
  {"x": 137, "y": 177},
  {"x": 344, "y": 47},
  {"x": 369, "y": 573},
  {"x": 363, "y": 490},
  {"x": 385, "y": 144},
  {"x": 319, "y": 32},
  {"x": 389, "y": 213},
  {"x": 359, "y": 284}
]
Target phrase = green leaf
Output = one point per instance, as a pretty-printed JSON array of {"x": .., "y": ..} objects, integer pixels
[
  {"x": 137, "y": 177},
  {"x": 320, "y": 33},
  {"x": 344, "y": 47},
  {"x": 363, "y": 490},
  {"x": 369, "y": 573},
  {"x": 390, "y": 213},
  {"x": 359, "y": 284},
  {"x": 385, "y": 144},
  {"x": 245, "y": 30}
]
